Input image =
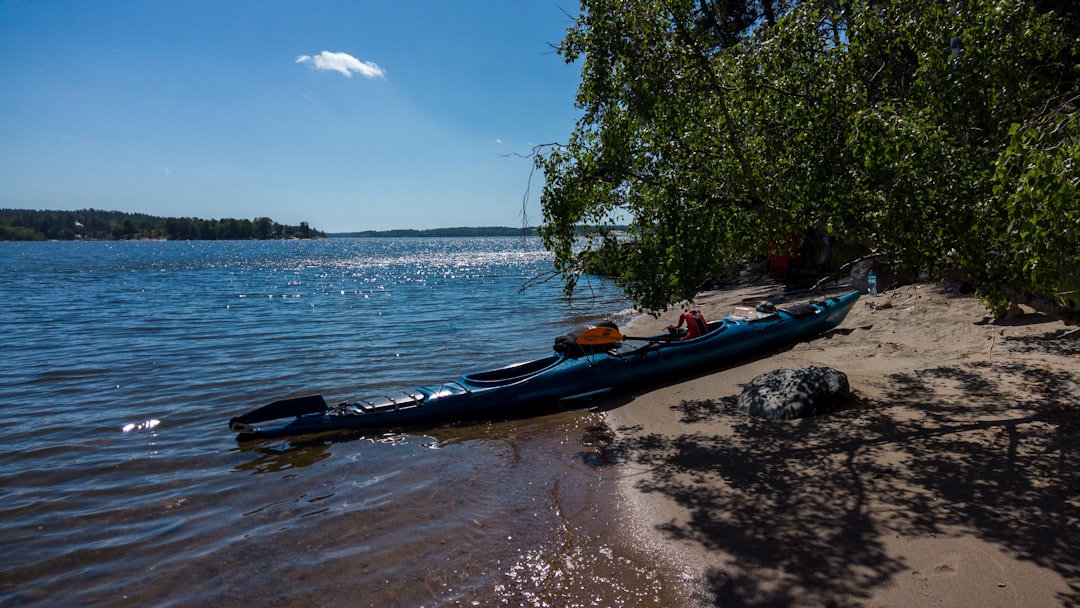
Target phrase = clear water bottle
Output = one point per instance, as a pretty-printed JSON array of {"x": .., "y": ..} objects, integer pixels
[{"x": 871, "y": 283}]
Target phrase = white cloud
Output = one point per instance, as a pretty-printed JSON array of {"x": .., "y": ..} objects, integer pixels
[{"x": 344, "y": 63}]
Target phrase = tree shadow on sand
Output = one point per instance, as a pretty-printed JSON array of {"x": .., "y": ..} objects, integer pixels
[{"x": 811, "y": 502}]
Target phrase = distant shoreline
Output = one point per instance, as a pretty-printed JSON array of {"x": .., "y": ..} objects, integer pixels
[
  {"x": 436, "y": 232},
  {"x": 450, "y": 232},
  {"x": 102, "y": 225}
]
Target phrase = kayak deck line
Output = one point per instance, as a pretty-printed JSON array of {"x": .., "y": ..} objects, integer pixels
[
  {"x": 569, "y": 375},
  {"x": 416, "y": 398}
]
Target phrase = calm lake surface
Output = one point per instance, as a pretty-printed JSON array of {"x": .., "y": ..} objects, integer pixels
[{"x": 122, "y": 486}]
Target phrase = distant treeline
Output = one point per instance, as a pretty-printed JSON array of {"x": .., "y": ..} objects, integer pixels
[{"x": 94, "y": 224}]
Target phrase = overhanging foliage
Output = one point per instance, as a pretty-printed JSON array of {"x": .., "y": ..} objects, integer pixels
[{"x": 940, "y": 134}]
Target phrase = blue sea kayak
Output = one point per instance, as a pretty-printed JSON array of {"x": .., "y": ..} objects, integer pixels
[{"x": 571, "y": 377}]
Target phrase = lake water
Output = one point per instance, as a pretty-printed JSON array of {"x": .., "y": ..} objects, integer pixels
[{"x": 122, "y": 486}]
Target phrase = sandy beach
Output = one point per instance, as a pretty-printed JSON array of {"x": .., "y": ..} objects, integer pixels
[{"x": 950, "y": 478}]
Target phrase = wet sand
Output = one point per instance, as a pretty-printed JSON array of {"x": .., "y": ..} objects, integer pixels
[{"x": 950, "y": 478}]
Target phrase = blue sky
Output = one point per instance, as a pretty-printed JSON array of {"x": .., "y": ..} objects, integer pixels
[{"x": 347, "y": 115}]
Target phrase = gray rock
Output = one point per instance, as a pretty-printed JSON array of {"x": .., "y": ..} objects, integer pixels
[{"x": 784, "y": 394}]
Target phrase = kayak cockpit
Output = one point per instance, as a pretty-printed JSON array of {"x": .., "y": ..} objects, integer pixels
[{"x": 511, "y": 373}]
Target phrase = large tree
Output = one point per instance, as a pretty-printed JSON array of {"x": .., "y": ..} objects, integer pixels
[{"x": 936, "y": 134}]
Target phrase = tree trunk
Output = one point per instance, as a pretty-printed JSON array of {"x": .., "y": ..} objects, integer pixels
[{"x": 1071, "y": 316}]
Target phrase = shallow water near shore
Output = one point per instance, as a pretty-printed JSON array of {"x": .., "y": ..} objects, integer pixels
[{"x": 122, "y": 485}]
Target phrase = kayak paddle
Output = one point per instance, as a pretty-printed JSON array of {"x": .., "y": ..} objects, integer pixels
[{"x": 602, "y": 336}]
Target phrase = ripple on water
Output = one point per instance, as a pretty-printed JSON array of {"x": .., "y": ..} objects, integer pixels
[{"x": 108, "y": 337}]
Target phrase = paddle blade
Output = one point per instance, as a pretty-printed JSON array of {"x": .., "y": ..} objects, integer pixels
[
  {"x": 598, "y": 336},
  {"x": 285, "y": 408}
]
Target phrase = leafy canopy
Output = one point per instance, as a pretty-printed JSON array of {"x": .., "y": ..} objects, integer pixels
[{"x": 937, "y": 134}]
